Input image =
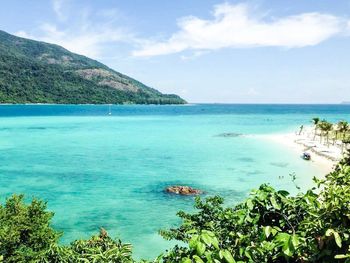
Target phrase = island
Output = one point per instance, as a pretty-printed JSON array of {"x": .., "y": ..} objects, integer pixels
[{"x": 38, "y": 72}]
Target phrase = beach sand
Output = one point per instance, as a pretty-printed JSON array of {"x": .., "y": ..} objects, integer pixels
[{"x": 323, "y": 155}]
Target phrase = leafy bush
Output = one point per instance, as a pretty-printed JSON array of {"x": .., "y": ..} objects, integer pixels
[
  {"x": 269, "y": 226},
  {"x": 97, "y": 249},
  {"x": 25, "y": 231}
]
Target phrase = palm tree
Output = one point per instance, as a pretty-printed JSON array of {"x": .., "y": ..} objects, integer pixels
[
  {"x": 345, "y": 142},
  {"x": 325, "y": 128},
  {"x": 343, "y": 127},
  {"x": 315, "y": 121},
  {"x": 301, "y": 129},
  {"x": 336, "y": 130}
]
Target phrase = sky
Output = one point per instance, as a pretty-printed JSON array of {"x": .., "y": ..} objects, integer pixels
[{"x": 206, "y": 51}]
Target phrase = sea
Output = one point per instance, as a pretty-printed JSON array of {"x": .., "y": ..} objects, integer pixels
[{"x": 108, "y": 165}]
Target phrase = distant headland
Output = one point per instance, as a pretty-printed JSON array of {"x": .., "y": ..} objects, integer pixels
[{"x": 38, "y": 72}]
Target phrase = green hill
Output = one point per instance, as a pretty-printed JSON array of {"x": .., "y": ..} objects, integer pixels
[{"x": 37, "y": 72}]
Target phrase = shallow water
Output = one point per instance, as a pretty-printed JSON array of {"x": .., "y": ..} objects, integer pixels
[{"x": 99, "y": 170}]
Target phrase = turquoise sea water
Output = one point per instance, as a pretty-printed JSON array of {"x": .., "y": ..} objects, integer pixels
[{"x": 96, "y": 169}]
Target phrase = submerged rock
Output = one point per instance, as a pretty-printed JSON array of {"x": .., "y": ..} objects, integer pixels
[
  {"x": 282, "y": 165},
  {"x": 229, "y": 134},
  {"x": 183, "y": 190}
]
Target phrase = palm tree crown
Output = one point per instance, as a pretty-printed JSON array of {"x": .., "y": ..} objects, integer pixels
[
  {"x": 343, "y": 126},
  {"x": 325, "y": 127},
  {"x": 316, "y": 120}
]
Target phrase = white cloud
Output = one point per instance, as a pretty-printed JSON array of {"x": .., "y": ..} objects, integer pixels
[
  {"x": 236, "y": 26},
  {"x": 193, "y": 55},
  {"x": 87, "y": 40},
  {"x": 87, "y": 33}
]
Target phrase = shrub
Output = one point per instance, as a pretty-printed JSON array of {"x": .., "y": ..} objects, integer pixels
[
  {"x": 25, "y": 231},
  {"x": 269, "y": 226}
]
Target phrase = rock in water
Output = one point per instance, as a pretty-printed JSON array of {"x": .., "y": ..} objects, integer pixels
[
  {"x": 183, "y": 190},
  {"x": 229, "y": 134}
]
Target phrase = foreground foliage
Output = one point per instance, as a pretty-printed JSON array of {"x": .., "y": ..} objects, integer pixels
[
  {"x": 269, "y": 226},
  {"x": 25, "y": 233},
  {"x": 99, "y": 248}
]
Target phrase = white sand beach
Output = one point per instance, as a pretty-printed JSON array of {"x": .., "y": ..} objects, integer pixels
[{"x": 324, "y": 155}]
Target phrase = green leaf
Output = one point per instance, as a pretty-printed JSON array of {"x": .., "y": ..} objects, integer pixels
[
  {"x": 336, "y": 235},
  {"x": 215, "y": 242},
  {"x": 209, "y": 238},
  {"x": 250, "y": 204},
  {"x": 206, "y": 238},
  {"x": 283, "y": 193},
  {"x": 267, "y": 231},
  {"x": 275, "y": 230},
  {"x": 282, "y": 238},
  {"x": 341, "y": 256},
  {"x": 186, "y": 260},
  {"x": 295, "y": 241},
  {"x": 287, "y": 249},
  {"x": 209, "y": 233},
  {"x": 193, "y": 241},
  {"x": 198, "y": 259},
  {"x": 274, "y": 203},
  {"x": 329, "y": 232},
  {"x": 225, "y": 254},
  {"x": 200, "y": 248},
  {"x": 337, "y": 239}
]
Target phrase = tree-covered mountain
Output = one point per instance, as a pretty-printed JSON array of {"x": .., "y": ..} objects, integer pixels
[{"x": 37, "y": 72}]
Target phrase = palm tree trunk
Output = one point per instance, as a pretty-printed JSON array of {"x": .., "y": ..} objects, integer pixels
[
  {"x": 315, "y": 134},
  {"x": 327, "y": 139}
]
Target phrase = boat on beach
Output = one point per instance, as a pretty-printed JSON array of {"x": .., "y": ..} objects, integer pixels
[{"x": 306, "y": 156}]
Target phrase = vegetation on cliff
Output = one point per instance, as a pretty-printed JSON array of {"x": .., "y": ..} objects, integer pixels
[{"x": 38, "y": 72}]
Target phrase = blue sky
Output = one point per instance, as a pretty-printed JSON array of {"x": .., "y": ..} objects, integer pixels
[{"x": 263, "y": 51}]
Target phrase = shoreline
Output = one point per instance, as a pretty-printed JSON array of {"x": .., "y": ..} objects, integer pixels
[
  {"x": 323, "y": 156},
  {"x": 94, "y": 104},
  {"x": 290, "y": 140}
]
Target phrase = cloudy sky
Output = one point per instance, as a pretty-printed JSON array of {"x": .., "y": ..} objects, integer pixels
[{"x": 263, "y": 51}]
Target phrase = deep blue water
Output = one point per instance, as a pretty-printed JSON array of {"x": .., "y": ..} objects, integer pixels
[{"x": 202, "y": 109}]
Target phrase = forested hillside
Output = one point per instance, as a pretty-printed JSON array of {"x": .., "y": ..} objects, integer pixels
[{"x": 38, "y": 72}]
